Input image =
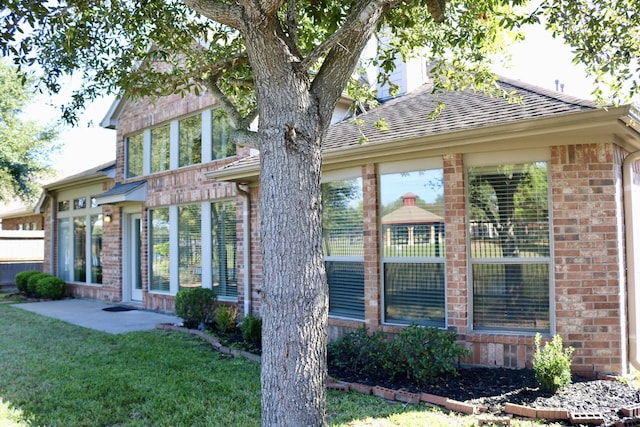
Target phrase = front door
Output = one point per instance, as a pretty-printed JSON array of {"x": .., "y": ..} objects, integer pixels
[{"x": 132, "y": 267}]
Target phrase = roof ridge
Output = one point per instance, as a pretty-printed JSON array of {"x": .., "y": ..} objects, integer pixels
[{"x": 559, "y": 96}]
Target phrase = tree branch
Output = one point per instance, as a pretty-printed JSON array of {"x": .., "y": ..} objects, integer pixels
[
  {"x": 240, "y": 122},
  {"x": 244, "y": 137},
  {"x": 292, "y": 21},
  {"x": 229, "y": 14}
]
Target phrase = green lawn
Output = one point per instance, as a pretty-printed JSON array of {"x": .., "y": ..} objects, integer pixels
[{"x": 56, "y": 374}]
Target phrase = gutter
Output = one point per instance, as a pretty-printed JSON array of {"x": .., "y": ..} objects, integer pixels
[
  {"x": 246, "y": 242},
  {"x": 632, "y": 238}
]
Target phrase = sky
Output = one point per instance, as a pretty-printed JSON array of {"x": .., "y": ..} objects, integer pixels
[{"x": 539, "y": 60}]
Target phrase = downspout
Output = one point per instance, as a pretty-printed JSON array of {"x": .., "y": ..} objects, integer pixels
[
  {"x": 246, "y": 244},
  {"x": 632, "y": 238}
]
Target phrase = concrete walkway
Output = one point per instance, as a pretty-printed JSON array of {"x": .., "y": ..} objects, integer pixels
[{"x": 90, "y": 314}]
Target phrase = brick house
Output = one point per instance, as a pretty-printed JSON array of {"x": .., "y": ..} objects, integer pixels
[{"x": 531, "y": 210}]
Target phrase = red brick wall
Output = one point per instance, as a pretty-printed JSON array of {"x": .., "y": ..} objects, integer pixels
[{"x": 586, "y": 192}]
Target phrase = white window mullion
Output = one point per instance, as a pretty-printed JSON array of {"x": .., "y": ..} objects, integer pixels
[
  {"x": 174, "y": 145},
  {"x": 206, "y": 136},
  {"x": 174, "y": 260},
  {"x": 146, "y": 150},
  {"x": 206, "y": 245}
]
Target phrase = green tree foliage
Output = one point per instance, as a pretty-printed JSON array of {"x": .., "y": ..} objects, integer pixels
[{"x": 24, "y": 144}]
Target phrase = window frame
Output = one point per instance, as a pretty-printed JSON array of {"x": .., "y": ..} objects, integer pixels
[
  {"x": 496, "y": 159},
  {"x": 415, "y": 165}
]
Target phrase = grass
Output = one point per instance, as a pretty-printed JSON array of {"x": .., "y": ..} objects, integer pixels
[{"x": 56, "y": 374}]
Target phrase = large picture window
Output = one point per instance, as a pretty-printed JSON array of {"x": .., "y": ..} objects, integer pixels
[
  {"x": 221, "y": 128},
  {"x": 160, "y": 148},
  {"x": 342, "y": 234},
  {"x": 80, "y": 244},
  {"x": 190, "y": 145},
  {"x": 189, "y": 246},
  {"x": 159, "y": 250},
  {"x": 224, "y": 249},
  {"x": 413, "y": 247},
  {"x": 509, "y": 247},
  {"x": 134, "y": 155}
]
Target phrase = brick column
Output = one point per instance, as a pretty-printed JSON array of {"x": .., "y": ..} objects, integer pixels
[{"x": 371, "y": 243}]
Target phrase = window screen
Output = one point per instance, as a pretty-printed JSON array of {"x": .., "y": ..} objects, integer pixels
[
  {"x": 342, "y": 233},
  {"x": 190, "y": 140},
  {"x": 189, "y": 246},
  {"x": 224, "y": 248},
  {"x": 134, "y": 155},
  {"x": 159, "y": 250},
  {"x": 160, "y": 148},
  {"x": 509, "y": 247},
  {"x": 413, "y": 247}
]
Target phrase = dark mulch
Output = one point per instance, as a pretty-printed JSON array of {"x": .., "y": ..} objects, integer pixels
[{"x": 494, "y": 387}]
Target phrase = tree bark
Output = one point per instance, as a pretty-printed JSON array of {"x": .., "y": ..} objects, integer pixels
[{"x": 294, "y": 293}]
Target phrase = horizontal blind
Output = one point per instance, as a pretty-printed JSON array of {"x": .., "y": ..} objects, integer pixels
[
  {"x": 159, "y": 249},
  {"x": 189, "y": 246},
  {"x": 224, "y": 248},
  {"x": 414, "y": 293},
  {"x": 509, "y": 247},
  {"x": 346, "y": 288}
]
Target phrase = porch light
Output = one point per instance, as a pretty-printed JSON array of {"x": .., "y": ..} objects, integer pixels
[{"x": 107, "y": 218}]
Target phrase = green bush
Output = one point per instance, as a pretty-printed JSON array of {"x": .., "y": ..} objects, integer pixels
[
  {"x": 415, "y": 354},
  {"x": 195, "y": 306},
  {"x": 23, "y": 277},
  {"x": 51, "y": 287},
  {"x": 226, "y": 318},
  {"x": 251, "y": 329},
  {"x": 423, "y": 353},
  {"x": 360, "y": 353},
  {"x": 552, "y": 363},
  {"x": 32, "y": 283}
]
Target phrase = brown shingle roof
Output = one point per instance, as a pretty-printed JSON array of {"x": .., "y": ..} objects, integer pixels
[{"x": 407, "y": 117}]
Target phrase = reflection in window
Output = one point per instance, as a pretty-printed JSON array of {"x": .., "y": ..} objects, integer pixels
[
  {"x": 80, "y": 203},
  {"x": 413, "y": 247},
  {"x": 134, "y": 155},
  {"x": 189, "y": 246},
  {"x": 223, "y": 244},
  {"x": 342, "y": 237},
  {"x": 96, "y": 248},
  {"x": 65, "y": 250},
  {"x": 159, "y": 249},
  {"x": 190, "y": 140},
  {"x": 221, "y": 128},
  {"x": 160, "y": 148},
  {"x": 80, "y": 249},
  {"x": 509, "y": 244},
  {"x": 64, "y": 205}
]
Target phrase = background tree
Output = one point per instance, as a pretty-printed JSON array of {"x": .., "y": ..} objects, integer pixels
[
  {"x": 288, "y": 62},
  {"x": 24, "y": 144}
]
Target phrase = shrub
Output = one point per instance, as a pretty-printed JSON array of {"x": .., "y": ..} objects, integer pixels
[
  {"x": 358, "y": 353},
  {"x": 195, "y": 306},
  {"x": 23, "y": 277},
  {"x": 416, "y": 353},
  {"x": 251, "y": 329},
  {"x": 552, "y": 364},
  {"x": 51, "y": 287},
  {"x": 226, "y": 318},
  {"x": 32, "y": 283},
  {"x": 423, "y": 353}
]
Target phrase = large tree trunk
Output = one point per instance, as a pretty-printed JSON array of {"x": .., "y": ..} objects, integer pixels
[{"x": 294, "y": 293}]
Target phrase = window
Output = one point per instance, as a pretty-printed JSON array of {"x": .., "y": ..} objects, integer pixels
[
  {"x": 342, "y": 236},
  {"x": 96, "y": 248},
  {"x": 223, "y": 248},
  {"x": 189, "y": 246},
  {"x": 160, "y": 148},
  {"x": 134, "y": 155},
  {"x": 413, "y": 247},
  {"x": 190, "y": 140},
  {"x": 80, "y": 203},
  {"x": 221, "y": 128},
  {"x": 159, "y": 250},
  {"x": 80, "y": 245},
  {"x": 64, "y": 205},
  {"x": 509, "y": 247}
]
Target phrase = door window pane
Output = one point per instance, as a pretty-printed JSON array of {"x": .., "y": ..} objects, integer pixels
[
  {"x": 80, "y": 249},
  {"x": 96, "y": 248}
]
